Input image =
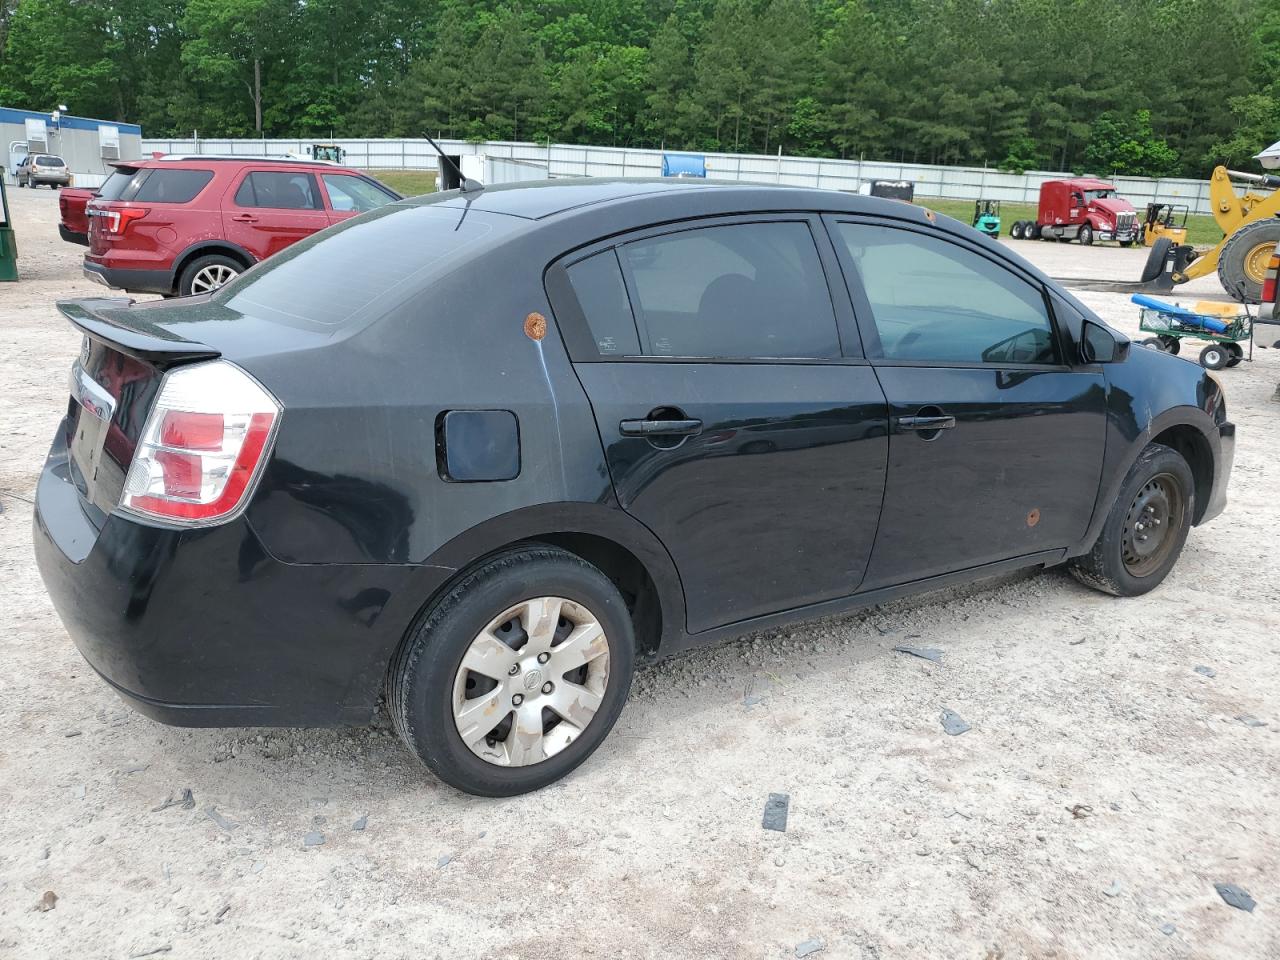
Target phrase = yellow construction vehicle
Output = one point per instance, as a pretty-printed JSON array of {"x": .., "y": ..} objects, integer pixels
[
  {"x": 1165, "y": 220},
  {"x": 1251, "y": 224}
]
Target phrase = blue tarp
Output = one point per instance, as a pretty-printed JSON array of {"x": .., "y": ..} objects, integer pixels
[{"x": 684, "y": 165}]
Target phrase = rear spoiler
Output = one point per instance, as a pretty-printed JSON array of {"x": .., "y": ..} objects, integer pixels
[{"x": 112, "y": 320}]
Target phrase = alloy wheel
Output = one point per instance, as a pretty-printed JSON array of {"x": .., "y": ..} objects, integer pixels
[
  {"x": 1151, "y": 525},
  {"x": 211, "y": 277},
  {"x": 531, "y": 681}
]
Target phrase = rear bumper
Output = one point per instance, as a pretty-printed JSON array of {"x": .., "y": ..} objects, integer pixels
[
  {"x": 1222, "y": 471},
  {"x": 204, "y": 628},
  {"x": 71, "y": 236},
  {"x": 134, "y": 281}
]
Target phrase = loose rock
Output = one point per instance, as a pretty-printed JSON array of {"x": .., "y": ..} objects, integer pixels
[
  {"x": 1235, "y": 896},
  {"x": 1207, "y": 672},
  {"x": 47, "y": 902},
  {"x": 222, "y": 822},
  {"x": 313, "y": 839},
  {"x": 809, "y": 947},
  {"x": 360, "y": 824},
  {"x": 953, "y": 724},
  {"x": 775, "y": 812}
]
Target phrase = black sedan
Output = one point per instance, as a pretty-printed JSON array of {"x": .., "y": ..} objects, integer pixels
[{"x": 483, "y": 452}]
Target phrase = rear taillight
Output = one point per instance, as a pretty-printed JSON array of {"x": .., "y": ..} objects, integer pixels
[
  {"x": 1269, "y": 285},
  {"x": 203, "y": 446},
  {"x": 117, "y": 221}
]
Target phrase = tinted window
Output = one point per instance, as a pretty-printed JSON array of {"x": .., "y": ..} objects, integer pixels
[
  {"x": 597, "y": 282},
  {"x": 354, "y": 193},
  {"x": 49, "y": 162},
  {"x": 172, "y": 186},
  {"x": 283, "y": 190},
  {"x": 935, "y": 300},
  {"x": 367, "y": 264},
  {"x": 744, "y": 290}
]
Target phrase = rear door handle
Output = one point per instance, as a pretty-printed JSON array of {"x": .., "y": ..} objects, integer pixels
[
  {"x": 244, "y": 218},
  {"x": 660, "y": 428},
  {"x": 926, "y": 423}
]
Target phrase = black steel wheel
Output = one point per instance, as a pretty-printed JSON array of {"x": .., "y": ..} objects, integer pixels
[{"x": 1146, "y": 528}]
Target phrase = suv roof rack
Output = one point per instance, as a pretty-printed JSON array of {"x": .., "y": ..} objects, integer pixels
[{"x": 243, "y": 157}]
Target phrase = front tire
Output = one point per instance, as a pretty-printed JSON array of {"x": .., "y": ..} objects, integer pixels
[
  {"x": 1085, "y": 235},
  {"x": 516, "y": 675},
  {"x": 1146, "y": 528}
]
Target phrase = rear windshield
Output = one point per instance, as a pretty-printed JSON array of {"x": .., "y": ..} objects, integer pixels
[
  {"x": 153, "y": 185},
  {"x": 49, "y": 162},
  {"x": 378, "y": 258}
]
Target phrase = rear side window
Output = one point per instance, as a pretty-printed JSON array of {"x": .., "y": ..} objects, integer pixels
[
  {"x": 602, "y": 295},
  {"x": 280, "y": 190},
  {"x": 933, "y": 300},
  {"x": 171, "y": 186},
  {"x": 735, "y": 291}
]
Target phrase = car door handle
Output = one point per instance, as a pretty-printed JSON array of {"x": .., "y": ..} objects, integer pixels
[
  {"x": 926, "y": 423},
  {"x": 660, "y": 428},
  {"x": 244, "y": 218}
]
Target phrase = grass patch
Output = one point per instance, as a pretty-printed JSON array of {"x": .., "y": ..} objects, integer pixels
[
  {"x": 1202, "y": 231},
  {"x": 411, "y": 183}
]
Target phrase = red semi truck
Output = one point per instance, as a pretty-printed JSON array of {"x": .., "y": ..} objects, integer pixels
[{"x": 1081, "y": 209}]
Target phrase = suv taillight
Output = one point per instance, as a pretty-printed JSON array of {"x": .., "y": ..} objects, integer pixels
[
  {"x": 203, "y": 446},
  {"x": 118, "y": 220}
]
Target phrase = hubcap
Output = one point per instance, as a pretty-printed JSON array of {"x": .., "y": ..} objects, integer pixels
[
  {"x": 211, "y": 277},
  {"x": 1151, "y": 525},
  {"x": 531, "y": 681}
]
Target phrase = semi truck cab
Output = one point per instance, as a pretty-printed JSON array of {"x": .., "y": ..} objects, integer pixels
[{"x": 1085, "y": 209}]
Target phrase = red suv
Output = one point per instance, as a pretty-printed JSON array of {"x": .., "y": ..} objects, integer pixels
[{"x": 184, "y": 225}]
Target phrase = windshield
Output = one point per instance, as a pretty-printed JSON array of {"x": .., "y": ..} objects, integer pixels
[{"x": 1092, "y": 195}]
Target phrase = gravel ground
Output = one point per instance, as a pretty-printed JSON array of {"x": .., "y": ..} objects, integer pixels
[{"x": 1123, "y": 757}]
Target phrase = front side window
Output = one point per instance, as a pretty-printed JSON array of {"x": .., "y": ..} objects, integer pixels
[
  {"x": 933, "y": 300},
  {"x": 349, "y": 193},
  {"x": 750, "y": 290},
  {"x": 280, "y": 190}
]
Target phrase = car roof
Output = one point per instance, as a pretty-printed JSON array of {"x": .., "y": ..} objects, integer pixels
[
  {"x": 202, "y": 161},
  {"x": 539, "y": 199}
]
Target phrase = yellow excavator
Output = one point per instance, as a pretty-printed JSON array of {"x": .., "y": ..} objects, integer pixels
[{"x": 1251, "y": 224}]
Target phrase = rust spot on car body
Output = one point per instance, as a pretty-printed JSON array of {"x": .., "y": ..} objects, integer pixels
[
  {"x": 1033, "y": 517},
  {"x": 535, "y": 326}
]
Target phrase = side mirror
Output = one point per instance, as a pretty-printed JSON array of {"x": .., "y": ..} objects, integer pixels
[{"x": 1100, "y": 345}]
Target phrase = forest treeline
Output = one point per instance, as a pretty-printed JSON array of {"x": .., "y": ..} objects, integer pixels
[{"x": 1156, "y": 87}]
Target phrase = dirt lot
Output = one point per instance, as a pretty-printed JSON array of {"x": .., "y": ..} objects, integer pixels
[{"x": 902, "y": 841}]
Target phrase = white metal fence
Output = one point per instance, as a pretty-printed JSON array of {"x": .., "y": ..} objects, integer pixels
[{"x": 565, "y": 160}]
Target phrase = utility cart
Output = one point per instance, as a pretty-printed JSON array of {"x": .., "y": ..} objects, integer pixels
[{"x": 1222, "y": 324}]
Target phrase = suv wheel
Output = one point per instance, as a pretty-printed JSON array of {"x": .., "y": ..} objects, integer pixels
[
  {"x": 1146, "y": 528},
  {"x": 516, "y": 674},
  {"x": 208, "y": 273}
]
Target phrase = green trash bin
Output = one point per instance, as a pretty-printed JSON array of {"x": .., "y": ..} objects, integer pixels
[{"x": 8, "y": 243}]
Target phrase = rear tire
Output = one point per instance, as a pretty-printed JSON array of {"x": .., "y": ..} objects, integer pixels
[
  {"x": 1159, "y": 487},
  {"x": 1157, "y": 259},
  {"x": 1155, "y": 343},
  {"x": 482, "y": 620},
  {"x": 207, "y": 273},
  {"x": 1171, "y": 345},
  {"x": 1237, "y": 353},
  {"x": 1015, "y": 231}
]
